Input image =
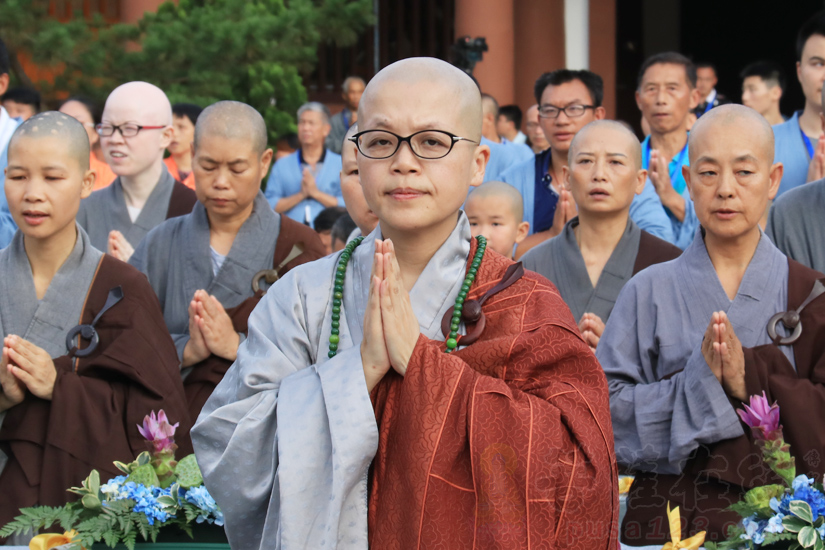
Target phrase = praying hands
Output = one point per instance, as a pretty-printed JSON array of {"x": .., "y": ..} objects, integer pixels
[
  {"x": 591, "y": 326},
  {"x": 660, "y": 178},
  {"x": 31, "y": 366},
  {"x": 723, "y": 353},
  {"x": 391, "y": 329},
  {"x": 210, "y": 331},
  {"x": 119, "y": 247}
]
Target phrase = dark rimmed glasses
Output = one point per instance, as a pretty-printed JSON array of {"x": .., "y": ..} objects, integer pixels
[
  {"x": 426, "y": 144},
  {"x": 572, "y": 111},
  {"x": 126, "y": 130}
]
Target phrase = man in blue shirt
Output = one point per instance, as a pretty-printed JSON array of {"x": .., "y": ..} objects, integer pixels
[
  {"x": 307, "y": 181},
  {"x": 503, "y": 153},
  {"x": 796, "y": 140},
  {"x": 666, "y": 95}
]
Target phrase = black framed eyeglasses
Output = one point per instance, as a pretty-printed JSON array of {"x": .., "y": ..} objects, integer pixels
[
  {"x": 572, "y": 111},
  {"x": 126, "y": 130},
  {"x": 426, "y": 144}
]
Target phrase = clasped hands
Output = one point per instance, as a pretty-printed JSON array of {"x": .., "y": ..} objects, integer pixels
[
  {"x": 210, "y": 331},
  {"x": 391, "y": 328},
  {"x": 309, "y": 188},
  {"x": 23, "y": 367},
  {"x": 119, "y": 247},
  {"x": 660, "y": 178},
  {"x": 724, "y": 355},
  {"x": 591, "y": 326}
]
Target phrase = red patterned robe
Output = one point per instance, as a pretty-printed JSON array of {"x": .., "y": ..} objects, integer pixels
[{"x": 506, "y": 443}]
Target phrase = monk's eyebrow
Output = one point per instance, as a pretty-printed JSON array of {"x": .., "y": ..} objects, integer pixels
[
  {"x": 616, "y": 155},
  {"x": 707, "y": 159},
  {"x": 746, "y": 158},
  {"x": 816, "y": 59}
]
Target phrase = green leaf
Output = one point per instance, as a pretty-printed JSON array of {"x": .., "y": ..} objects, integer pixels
[
  {"x": 792, "y": 524},
  {"x": 807, "y": 536},
  {"x": 802, "y": 510},
  {"x": 818, "y": 545}
]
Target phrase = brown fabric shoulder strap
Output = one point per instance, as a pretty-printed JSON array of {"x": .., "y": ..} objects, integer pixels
[
  {"x": 653, "y": 250},
  {"x": 181, "y": 201}
]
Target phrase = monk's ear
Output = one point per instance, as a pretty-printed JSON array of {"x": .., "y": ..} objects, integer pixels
[
  {"x": 686, "y": 174},
  {"x": 522, "y": 232},
  {"x": 166, "y": 136},
  {"x": 565, "y": 177},
  {"x": 775, "y": 177},
  {"x": 88, "y": 183},
  {"x": 481, "y": 156},
  {"x": 266, "y": 159},
  {"x": 599, "y": 113},
  {"x": 641, "y": 179}
]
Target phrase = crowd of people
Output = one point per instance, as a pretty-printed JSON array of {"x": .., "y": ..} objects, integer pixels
[{"x": 439, "y": 322}]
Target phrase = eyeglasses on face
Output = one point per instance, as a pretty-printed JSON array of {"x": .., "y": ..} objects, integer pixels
[
  {"x": 126, "y": 130},
  {"x": 426, "y": 144},
  {"x": 572, "y": 111}
]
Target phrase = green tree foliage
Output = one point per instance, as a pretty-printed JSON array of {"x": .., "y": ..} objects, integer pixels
[{"x": 199, "y": 51}]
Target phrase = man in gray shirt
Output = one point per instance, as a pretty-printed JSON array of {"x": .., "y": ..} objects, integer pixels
[{"x": 351, "y": 91}]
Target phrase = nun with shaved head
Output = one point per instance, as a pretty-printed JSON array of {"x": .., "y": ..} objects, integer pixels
[
  {"x": 135, "y": 130},
  {"x": 691, "y": 340},
  {"x": 85, "y": 353},
  {"x": 417, "y": 389},
  {"x": 209, "y": 268}
]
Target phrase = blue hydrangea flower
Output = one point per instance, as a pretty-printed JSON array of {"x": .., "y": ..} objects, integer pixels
[
  {"x": 775, "y": 524},
  {"x": 200, "y": 497},
  {"x": 801, "y": 481},
  {"x": 753, "y": 529}
]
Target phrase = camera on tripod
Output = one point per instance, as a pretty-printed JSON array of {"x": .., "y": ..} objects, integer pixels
[{"x": 468, "y": 51}]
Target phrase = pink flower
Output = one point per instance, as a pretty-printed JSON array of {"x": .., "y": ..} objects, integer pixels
[
  {"x": 158, "y": 430},
  {"x": 762, "y": 418}
]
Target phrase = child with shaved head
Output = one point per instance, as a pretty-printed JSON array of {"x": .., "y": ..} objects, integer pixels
[
  {"x": 210, "y": 267},
  {"x": 692, "y": 339},
  {"x": 417, "y": 389},
  {"x": 135, "y": 130},
  {"x": 601, "y": 248},
  {"x": 495, "y": 210},
  {"x": 69, "y": 399}
]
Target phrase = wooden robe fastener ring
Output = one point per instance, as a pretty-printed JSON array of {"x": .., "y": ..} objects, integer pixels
[
  {"x": 791, "y": 319},
  {"x": 88, "y": 332},
  {"x": 272, "y": 275},
  {"x": 472, "y": 313}
]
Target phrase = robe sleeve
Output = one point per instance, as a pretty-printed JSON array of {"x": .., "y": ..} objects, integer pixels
[
  {"x": 657, "y": 422},
  {"x": 285, "y": 442},
  {"x": 801, "y": 399},
  {"x": 537, "y": 442},
  {"x": 647, "y": 212}
]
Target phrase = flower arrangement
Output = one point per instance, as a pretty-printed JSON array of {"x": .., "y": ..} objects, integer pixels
[
  {"x": 154, "y": 492},
  {"x": 788, "y": 516}
]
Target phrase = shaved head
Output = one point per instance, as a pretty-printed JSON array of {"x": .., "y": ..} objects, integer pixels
[
  {"x": 458, "y": 89},
  {"x": 232, "y": 120},
  {"x": 149, "y": 101},
  {"x": 500, "y": 190},
  {"x": 747, "y": 121},
  {"x": 615, "y": 128},
  {"x": 53, "y": 124}
]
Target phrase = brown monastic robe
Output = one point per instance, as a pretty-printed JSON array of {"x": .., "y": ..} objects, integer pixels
[
  {"x": 98, "y": 400},
  {"x": 718, "y": 475},
  {"x": 207, "y": 374},
  {"x": 504, "y": 443}
]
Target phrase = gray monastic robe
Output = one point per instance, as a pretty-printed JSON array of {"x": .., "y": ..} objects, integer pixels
[
  {"x": 796, "y": 224},
  {"x": 44, "y": 322},
  {"x": 175, "y": 257},
  {"x": 664, "y": 399},
  {"x": 561, "y": 261},
  {"x": 286, "y": 440},
  {"x": 105, "y": 210}
]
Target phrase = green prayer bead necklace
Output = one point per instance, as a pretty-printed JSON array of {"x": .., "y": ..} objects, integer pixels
[{"x": 338, "y": 294}]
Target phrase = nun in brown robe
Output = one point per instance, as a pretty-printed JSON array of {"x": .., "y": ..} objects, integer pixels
[{"x": 86, "y": 354}]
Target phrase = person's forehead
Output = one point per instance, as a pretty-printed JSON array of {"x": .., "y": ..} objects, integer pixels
[
  {"x": 814, "y": 47},
  {"x": 119, "y": 110},
  {"x": 77, "y": 110},
  {"x": 355, "y": 86},
  {"x": 45, "y": 150},
  {"x": 665, "y": 73},
  {"x": 573, "y": 91},
  {"x": 421, "y": 105},
  {"x": 729, "y": 141},
  {"x": 218, "y": 146},
  {"x": 605, "y": 139},
  {"x": 311, "y": 115},
  {"x": 492, "y": 204},
  {"x": 706, "y": 71},
  {"x": 754, "y": 80}
]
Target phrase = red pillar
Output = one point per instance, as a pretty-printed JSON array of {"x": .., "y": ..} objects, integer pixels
[
  {"x": 131, "y": 11},
  {"x": 492, "y": 19}
]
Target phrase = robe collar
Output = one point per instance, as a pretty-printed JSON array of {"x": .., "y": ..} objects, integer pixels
[
  {"x": 756, "y": 297},
  {"x": 233, "y": 282},
  {"x": 153, "y": 212},
  {"x": 46, "y": 322},
  {"x": 432, "y": 295}
]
